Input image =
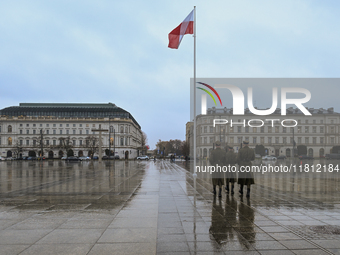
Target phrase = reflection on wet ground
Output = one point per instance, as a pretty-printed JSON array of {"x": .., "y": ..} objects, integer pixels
[{"x": 53, "y": 207}]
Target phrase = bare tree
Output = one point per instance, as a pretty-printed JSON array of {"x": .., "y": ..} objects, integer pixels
[
  {"x": 65, "y": 145},
  {"x": 92, "y": 144}
]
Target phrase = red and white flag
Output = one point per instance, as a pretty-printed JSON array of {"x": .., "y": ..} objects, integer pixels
[{"x": 186, "y": 27}]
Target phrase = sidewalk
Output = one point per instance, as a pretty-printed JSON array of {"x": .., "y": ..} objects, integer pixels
[{"x": 153, "y": 209}]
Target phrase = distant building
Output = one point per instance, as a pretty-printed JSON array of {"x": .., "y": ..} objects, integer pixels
[
  {"x": 319, "y": 132},
  {"x": 23, "y": 127}
]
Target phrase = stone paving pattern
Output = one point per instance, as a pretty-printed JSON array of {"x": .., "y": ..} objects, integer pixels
[{"x": 152, "y": 208}]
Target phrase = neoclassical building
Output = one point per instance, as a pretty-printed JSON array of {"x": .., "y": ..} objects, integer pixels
[
  {"x": 30, "y": 127},
  {"x": 318, "y": 132}
]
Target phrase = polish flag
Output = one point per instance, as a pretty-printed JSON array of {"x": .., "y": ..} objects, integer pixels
[{"x": 186, "y": 27}]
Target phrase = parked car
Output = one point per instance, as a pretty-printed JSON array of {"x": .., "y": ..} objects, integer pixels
[
  {"x": 31, "y": 158},
  {"x": 84, "y": 158},
  {"x": 143, "y": 157},
  {"x": 95, "y": 157},
  {"x": 1, "y": 158},
  {"x": 268, "y": 157},
  {"x": 114, "y": 157},
  {"x": 282, "y": 157},
  {"x": 305, "y": 157},
  {"x": 72, "y": 159},
  {"x": 63, "y": 157},
  {"x": 332, "y": 156}
]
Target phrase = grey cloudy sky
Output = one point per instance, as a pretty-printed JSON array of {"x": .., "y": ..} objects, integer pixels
[{"x": 116, "y": 51}]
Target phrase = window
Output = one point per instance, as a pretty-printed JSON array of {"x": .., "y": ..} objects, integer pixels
[
  {"x": 54, "y": 132},
  {"x": 34, "y": 142},
  {"x": 299, "y": 130},
  {"x": 321, "y": 121},
  {"x": 306, "y": 129},
  {"x": 61, "y": 125},
  {"x": 54, "y": 125},
  {"x": 126, "y": 130},
  {"x": 67, "y": 125},
  {"x": 47, "y": 125},
  {"x": 121, "y": 141},
  {"x": 211, "y": 140},
  {"x": 277, "y": 130},
  {"x": 80, "y": 132},
  {"x": 27, "y": 125},
  {"x": 74, "y": 125},
  {"x": 74, "y": 131},
  {"x": 61, "y": 131},
  {"x": 205, "y": 140},
  {"x": 80, "y": 142},
  {"x": 269, "y": 140},
  {"x": 254, "y": 129},
  {"x": 122, "y": 129},
  {"x": 54, "y": 142},
  {"x": 307, "y": 140},
  {"x": 321, "y": 139},
  {"x": 27, "y": 142},
  {"x": 239, "y": 139},
  {"x": 231, "y": 140},
  {"x": 87, "y": 132},
  {"x": 231, "y": 129},
  {"x": 80, "y": 125},
  {"x": 284, "y": 130},
  {"x": 314, "y": 140},
  {"x": 67, "y": 131},
  {"x": 74, "y": 142},
  {"x": 262, "y": 129},
  {"x": 9, "y": 141},
  {"x": 277, "y": 140},
  {"x": 299, "y": 140},
  {"x": 247, "y": 129},
  {"x": 321, "y": 129},
  {"x": 332, "y": 121},
  {"x": 262, "y": 140},
  {"x": 34, "y": 125},
  {"x": 332, "y": 140},
  {"x": 27, "y": 131},
  {"x": 332, "y": 129},
  {"x": 254, "y": 140},
  {"x": 9, "y": 129},
  {"x": 269, "y": 129},
  {"x": 34, "y": 132},
  {"x": 239, "y": 129},
  {"x": 211, "y": 129},
  {"x": 205, "y": 129},
  {"x": 284, "y": 140},
  {"x": 47, "y": 132},
  {"x": 20, "y": 131},
  {"x": 314, "y": 129}
]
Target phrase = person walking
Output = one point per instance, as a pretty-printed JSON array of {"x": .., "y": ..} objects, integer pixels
[
  {"x": 244, "y": 158},
  {"x": 217, "y": 158},
  {"x": 230, "y": 176}
]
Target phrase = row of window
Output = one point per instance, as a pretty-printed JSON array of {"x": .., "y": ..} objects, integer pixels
[
  {"x": 10, "y": 129},
  {"x": 269, "y": 140},
  {"x": 34, "y": 142},
  {"x": 308, "y": 129}
]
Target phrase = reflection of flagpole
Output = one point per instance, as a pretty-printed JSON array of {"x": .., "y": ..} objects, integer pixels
[{"x": 195, "y": 174}]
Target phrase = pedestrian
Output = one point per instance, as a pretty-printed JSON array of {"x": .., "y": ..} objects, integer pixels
[
  {"x": 244, "y": 158},
  {"x": 230, "y": 176},
  {"x": 217, "y": 158}
]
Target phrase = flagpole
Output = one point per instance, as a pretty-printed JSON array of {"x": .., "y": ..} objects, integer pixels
[{"x": 195, "y": 173}]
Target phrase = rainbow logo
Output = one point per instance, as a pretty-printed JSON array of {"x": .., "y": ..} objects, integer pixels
[{"x": 212, "y": 89}]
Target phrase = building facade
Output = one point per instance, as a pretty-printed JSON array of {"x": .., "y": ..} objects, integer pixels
[
  {"x": 30, "y": 128},
  {"x": 318, "y": 132}
]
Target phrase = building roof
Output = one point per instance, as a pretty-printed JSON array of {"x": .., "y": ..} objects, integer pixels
[{"x": 67, "y": 110}]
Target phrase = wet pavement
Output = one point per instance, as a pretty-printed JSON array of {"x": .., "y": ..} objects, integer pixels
[{"x": 54, "y": 207}]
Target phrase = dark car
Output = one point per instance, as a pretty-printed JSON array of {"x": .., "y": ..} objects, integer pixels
[
  {"x": 72, "y": 159},
  {"x": 95, "y": 157},
  {"x": 305, "y": 157},
  {"x": 281, "y": 157},
  {"x": 332, "y": 156}
]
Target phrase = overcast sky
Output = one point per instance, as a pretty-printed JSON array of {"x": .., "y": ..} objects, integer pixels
[{"x": 116, "y": 51}]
